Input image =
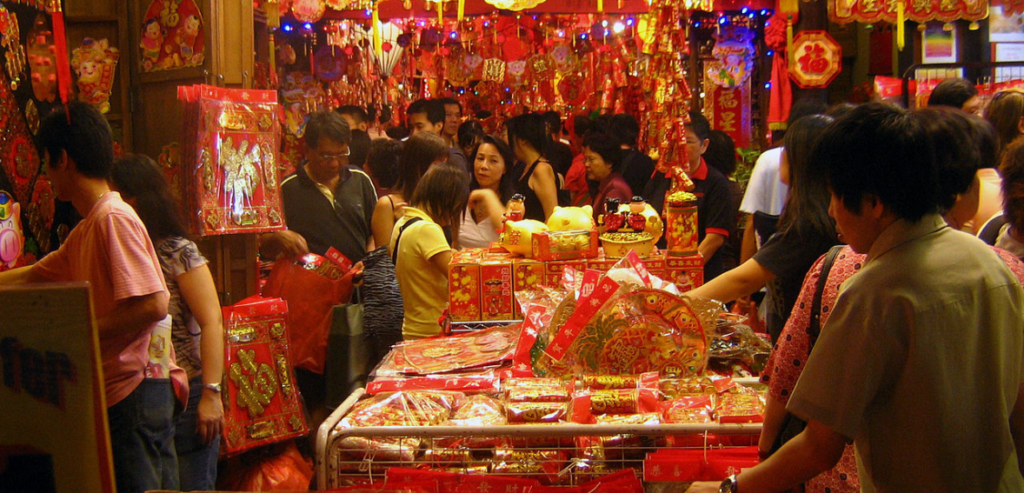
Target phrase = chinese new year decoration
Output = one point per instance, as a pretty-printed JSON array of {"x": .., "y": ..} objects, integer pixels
[
  {"x": 871, "y": 11},
  {"x": 172, "y": 36},
  {"x": 816, "y": 59},
  {"x": 262, "y": 403},
  {"x": 229, "y": 151},
  {"x": 95, "y": 63},
  {"x": 734, "y": 57}
]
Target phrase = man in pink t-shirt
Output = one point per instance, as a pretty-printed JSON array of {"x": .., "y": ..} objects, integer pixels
[{"x": 110, "y": 249}]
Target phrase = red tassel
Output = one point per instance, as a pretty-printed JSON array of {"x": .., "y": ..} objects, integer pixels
[{"x": 60, "y": 45}]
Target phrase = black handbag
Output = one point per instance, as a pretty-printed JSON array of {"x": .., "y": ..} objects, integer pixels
[{"x": 792, "y": 425}]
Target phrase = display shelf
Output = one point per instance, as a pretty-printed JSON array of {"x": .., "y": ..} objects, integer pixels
[{"x": 553, "y": 451}]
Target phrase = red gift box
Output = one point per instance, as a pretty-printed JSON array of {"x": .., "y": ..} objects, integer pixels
[
  {"x": 526, "y": 274},
  {"x": 687, "y": 273},
  {"x": 564, "y": 245},
  {"x": 553, "y": 270},
  {"x": 496, "y": 296},
  {"x": 674, "y": 465},
  {"x": 464, "y": 289},
  {"x": 601, "y": 263},
  {"x": 656, "y": 265},
  {"x": 262, "y": 404}
]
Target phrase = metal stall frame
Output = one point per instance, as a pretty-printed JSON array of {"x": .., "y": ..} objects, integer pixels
[{"x": 558, "y": 444}]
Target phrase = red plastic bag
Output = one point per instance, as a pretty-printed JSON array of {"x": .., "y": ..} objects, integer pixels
[
  {"x": 311, "y": 285},
  {"x": 279, "y": 467}
]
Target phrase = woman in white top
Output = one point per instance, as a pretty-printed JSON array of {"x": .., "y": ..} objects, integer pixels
[{"x": 491, "y": 187}]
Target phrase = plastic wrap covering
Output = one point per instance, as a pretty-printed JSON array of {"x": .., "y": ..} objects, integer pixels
[
  {"x": 489, "y": 347},
  {"x": 629, "y": 328},
  {"x": 262, "y": 404},
  {"x": 229, "y": 153},
  {"x": 735, "y": 344},
  {"x": 413, "y": 408}
]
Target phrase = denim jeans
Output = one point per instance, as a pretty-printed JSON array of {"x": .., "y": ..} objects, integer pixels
[
  {"x": 142, "y": 438},
  {"x": 197, "y": 462}
]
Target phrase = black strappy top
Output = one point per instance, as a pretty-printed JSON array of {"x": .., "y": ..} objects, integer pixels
[{"x": 534, "y": 209}]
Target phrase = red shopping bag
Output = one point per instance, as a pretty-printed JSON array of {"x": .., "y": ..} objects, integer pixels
[{"x": 311, "y": 285}]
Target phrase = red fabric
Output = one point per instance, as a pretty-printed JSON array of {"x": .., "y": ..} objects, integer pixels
[
  {"x": 702, "y": 171},
  {"x": 310, "y": 298},
  {"x": 283, "y": 470},
  {"x": 60, "y": 45},
  {"x": 781, "y": 98}
]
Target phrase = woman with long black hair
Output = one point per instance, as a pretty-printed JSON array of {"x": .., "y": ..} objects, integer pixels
[{"x": 805, "y": 232}]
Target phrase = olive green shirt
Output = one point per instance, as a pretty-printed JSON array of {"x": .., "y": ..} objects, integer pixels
[{"x": 920, "y": 363}]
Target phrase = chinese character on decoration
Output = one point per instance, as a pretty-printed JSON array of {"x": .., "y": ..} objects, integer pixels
[
  {"x": 871, "y": 11},
  {"x": 817, "y": 59},
  {"x": 94, "y": 63},
  {"x": 494, "y": 70},
  {"x": 734, "y": 56}
]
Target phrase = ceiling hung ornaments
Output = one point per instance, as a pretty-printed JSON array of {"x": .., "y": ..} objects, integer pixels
[{"x": 896, "y": 12}]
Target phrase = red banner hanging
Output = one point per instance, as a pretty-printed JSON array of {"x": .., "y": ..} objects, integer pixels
[
  {"x": 871, "y": 11},
  {"x": 728, "y": 110}
]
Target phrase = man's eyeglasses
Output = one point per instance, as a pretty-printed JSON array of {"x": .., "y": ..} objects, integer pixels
[{"x": 335, "y": 157}]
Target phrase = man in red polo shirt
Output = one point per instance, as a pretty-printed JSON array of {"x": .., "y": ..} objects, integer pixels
[{"x": 716, "y": 216}]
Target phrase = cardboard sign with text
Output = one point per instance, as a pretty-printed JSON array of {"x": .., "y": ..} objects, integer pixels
[{"x": 53, "y": 413}]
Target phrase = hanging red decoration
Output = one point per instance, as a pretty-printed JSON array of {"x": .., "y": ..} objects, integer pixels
[
  {"x": 817, "y": 59},
  {"x": 871, "y": 11}
]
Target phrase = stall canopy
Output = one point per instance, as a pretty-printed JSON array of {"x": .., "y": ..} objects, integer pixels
[{"x": 396, "y": 9}]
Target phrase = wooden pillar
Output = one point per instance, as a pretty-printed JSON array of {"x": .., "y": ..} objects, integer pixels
[{"x": 813, "y": 17}]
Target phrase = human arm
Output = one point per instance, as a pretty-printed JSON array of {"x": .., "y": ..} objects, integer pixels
[
  {"x": 774, "y": 416},
  {"x": 383, "y": 221},
  {"x": 285, "y": 243},
  {"x": 1017, "y": 427},
  {"x": 719, "y": 214},
  {"x": 749, "y": 245},
  {"x": 542, "y": 182},
  {"x": 370, "y": 201},
  {"x": 815, "y": 450},
  {"x": 492, "y": 204},
  {"x": 441, "y": 260},
  {"x": 745, "y": 279},
  {"x": 712, "y": 242},
  {"x": 21, "y": 275},
  {"x": 134, "y": 314},
  {"x": 197, "y": 289}
]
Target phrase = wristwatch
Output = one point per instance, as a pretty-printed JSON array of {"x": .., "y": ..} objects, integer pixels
[
  {"x": 215, "y": 387},
  {"x": 729, "y": 485}
]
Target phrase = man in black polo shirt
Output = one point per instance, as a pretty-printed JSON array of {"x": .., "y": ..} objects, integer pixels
[
  {"x": 716, "y": 216},
  {"x": 327, "y": 203}
]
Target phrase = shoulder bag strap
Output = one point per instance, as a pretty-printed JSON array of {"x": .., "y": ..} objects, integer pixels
[
  {"x": 815, "y": 327},
  {"x": 394, "y": 254}
]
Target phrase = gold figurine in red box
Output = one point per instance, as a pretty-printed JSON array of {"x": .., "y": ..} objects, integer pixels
[{"x": 262, "y": 404}]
